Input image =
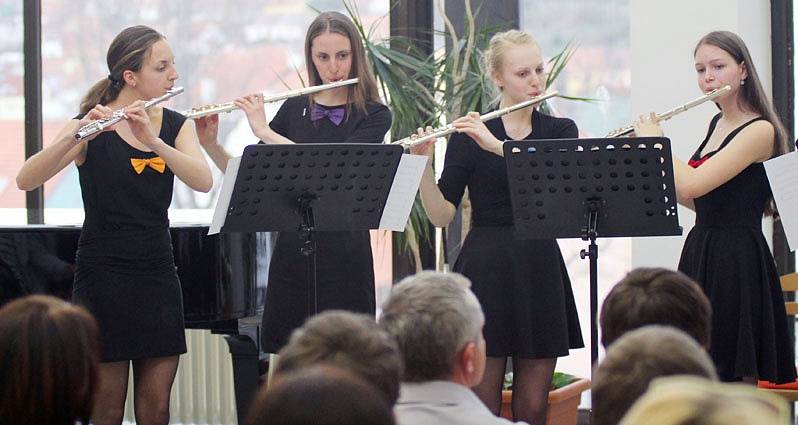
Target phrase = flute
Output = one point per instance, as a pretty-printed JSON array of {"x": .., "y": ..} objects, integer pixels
[
  {"x": 218, "y": 108},
  {"x": 97, "y": 126},
  {"x": 411, "y": 141},
  {"x": 623, "y": 131}
]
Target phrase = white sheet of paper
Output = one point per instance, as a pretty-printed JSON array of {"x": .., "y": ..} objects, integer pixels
[
  {"x": 223, "y": 202},
  {"x": 783, "y": 176},
  {"x": 403, "y": 192}
]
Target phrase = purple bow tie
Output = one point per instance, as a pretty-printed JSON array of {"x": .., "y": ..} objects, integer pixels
[{"x": 336, "y": 115}]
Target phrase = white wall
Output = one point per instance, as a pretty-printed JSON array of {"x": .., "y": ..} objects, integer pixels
[{"x": 663, "y": 36}]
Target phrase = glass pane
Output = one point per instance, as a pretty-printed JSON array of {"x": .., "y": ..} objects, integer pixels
[
  {"x": 223, "y": 50},
  {"x": 12, "y": 112},
  {"x": 599, "y": 69}
]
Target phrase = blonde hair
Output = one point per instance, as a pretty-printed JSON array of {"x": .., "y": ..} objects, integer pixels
[
  {"x": 499, "y": 44},
  {"x": 684, "y": 400}
]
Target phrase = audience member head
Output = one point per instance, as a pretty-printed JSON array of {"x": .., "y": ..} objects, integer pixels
[
  {"x": 49, "y": 355},
  {"x": 319, "y": 395},
  {"x": 687, "y": 400},
  {"x": 437, "y": 322},
  {"x": 637, "y": 358},
  {"x": 353, "y": 342},
  {"x": 655, "y": 296}
]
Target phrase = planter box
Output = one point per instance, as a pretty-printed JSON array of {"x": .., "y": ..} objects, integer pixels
[{"x": 563, "y": 403}]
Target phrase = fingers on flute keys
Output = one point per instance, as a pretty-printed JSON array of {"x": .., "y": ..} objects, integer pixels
[{"x": 422, "y": 148}]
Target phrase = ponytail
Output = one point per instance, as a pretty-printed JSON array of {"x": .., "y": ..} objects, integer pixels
[{"x": 101, "y": 93}]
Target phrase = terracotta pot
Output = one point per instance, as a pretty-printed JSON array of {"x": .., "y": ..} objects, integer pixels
[{"x": 563, "y": 403}]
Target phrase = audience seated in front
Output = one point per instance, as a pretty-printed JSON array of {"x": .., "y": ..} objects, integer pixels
[
  {"x": 49, "y": 354},
  {"x": 655, "y": 296},
  {"x": 637, "y": 358},
  {"x": 437, "y": 322},
  {"x": 350, "y": 341},
  {"x": 320, "y": 395},
  {"x": 687, "y": 400}
]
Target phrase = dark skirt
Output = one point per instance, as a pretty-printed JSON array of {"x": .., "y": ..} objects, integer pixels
[
  {"x": 525, "y": 292},
  {"x": 128, "y": 281},
  {"x": 736, "y": 270},
  {"x": 344, "y": 276}
]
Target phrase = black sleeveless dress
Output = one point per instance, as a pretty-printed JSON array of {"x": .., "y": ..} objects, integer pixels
[
  {"x": 726, "y": 253},
  {"x": 126, "y": 274},
  {"x": 522, "y": 285},
  {"x": 344, "y": 263}
]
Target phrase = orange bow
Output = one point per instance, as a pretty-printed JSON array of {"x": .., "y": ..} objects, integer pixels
[{"x": 156, "y": 163}]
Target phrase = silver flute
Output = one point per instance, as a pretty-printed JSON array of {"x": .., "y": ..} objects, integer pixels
[
  {"x": 97, "y": 126},
  {"x": 623, "y": 131},
  {"x": 218, "y": 108},
  {"x": 412, "y": 140}
]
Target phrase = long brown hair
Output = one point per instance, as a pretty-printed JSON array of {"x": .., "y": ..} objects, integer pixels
[
  {"x": 128, "y": 51},
  {"x": 753, "y": 97},
  {"x": 366, "y": 89},
  {"x": 49, "y": 355}
]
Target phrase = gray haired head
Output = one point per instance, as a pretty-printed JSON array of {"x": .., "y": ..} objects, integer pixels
[{"x": 432, "y": 316}]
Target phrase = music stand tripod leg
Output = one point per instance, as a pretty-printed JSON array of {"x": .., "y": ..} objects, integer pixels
[
  {"x": 593, "y": 207},
  {"x": 309, "y": 248}
]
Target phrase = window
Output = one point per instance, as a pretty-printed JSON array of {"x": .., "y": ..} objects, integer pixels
[
  {"x": 223, "y": 50},
  {"x": 12, "y": 112}
]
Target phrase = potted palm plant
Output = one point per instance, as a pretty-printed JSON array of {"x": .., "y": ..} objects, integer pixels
[{"x": 565, "y": 394}]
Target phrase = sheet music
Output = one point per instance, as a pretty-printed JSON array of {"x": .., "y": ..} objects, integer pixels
[
  {"x": 223, "y": 202},
  {"x": 783, "y": 176},
  {"x": 403, "y": 192}
]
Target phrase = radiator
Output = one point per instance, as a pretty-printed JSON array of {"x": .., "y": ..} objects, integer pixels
[{"x": 203, "y": 390}]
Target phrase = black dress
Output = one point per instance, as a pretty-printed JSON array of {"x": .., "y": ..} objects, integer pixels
[
  {"x": 126, "y": 274},
  {"x": 523, "y": 285},
  {"x": 728, "y": 256},
  {"x": 344, "y": 264}
]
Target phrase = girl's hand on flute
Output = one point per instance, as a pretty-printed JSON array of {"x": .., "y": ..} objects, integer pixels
[
  {"x": 473, "y": 127},
  {"x": 252, "y": 105},
  {"x": 647, "y": 126},
  {"x": 207, "y": 130},
  {"x": 425, "y": 148},
  {"x": 99, "y": 112},
  {"x": 139, "y": 123}
]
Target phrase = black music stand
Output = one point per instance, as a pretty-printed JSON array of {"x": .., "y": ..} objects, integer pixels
[
  {"x": 309, "y": 188},
  {"x": 590, "y": 188}
]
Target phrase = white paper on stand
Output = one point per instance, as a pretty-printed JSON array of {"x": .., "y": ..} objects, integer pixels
[
  {"x": 783, "y": 176},
  {"x": 223, "y": 202},
  {"x": 403, "y": 192}
]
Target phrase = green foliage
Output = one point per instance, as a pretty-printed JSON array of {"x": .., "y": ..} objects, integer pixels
[{"x": 560, "y": 380}]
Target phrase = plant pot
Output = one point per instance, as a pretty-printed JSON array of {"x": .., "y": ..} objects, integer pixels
[{"x": 563, "y": 403}]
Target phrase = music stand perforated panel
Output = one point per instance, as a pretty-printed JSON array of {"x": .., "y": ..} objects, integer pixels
[
  {"x": 350, "y": 181},
  {"x": 552, "y": 181}
]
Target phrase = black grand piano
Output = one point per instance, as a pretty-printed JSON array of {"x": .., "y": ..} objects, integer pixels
[{"x": 219, "y": 275}]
